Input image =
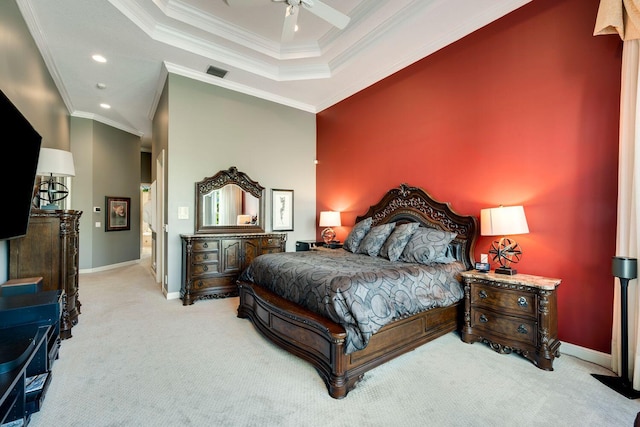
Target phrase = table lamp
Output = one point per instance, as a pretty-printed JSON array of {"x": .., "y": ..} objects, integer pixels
[
  {"x": 329, "y": 219},
  {"x": 504, "y": 221},
  {"x": 58, "y": 163}
]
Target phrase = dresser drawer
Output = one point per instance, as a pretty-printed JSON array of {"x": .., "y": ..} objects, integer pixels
[
  {"x": 512, "y": 328},
  {"x": 270, "y": 242},
  {"x": 205, "y": 245},
  {"x": 213, "y": 282},
  {"x": 512, "y": 301},
  {"x": 204, "y": 269},
  {"x": 205, "y": 257}
]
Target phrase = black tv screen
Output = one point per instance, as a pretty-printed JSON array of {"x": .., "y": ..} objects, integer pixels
[{"x": 21, "y": 149}]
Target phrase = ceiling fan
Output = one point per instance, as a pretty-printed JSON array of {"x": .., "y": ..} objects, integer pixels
[
  {"x": 318, "y": 8},
  {"x": 321, "y": 10}
]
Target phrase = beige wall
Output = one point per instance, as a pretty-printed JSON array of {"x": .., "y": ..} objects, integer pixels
[
  {"x": 25, "y": 80},
  {"x": 212, "y": 128}
]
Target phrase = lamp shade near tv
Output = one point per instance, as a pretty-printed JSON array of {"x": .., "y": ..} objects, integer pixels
[{"x": 21, "y": 149}]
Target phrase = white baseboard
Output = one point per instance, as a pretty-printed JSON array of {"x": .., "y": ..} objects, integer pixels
[
  {"x": 108, "y": 267},
  {"x": 172, "y": 295},
  {"x": 597, "y": 357}
]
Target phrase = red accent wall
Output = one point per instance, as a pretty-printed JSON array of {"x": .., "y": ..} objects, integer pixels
[{"x": 523, "y": 111}]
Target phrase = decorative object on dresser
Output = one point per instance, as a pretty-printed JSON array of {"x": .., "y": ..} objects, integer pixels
[
  {"x": 50, "y": 250},
  {"x": 282, "y": 210},
  {"x": 515, "y": 313},
  {"x": 216, "y": 254},
  {"x": 504, "y": 221},
  {"x": 329, "y": 219},
  {"x": 211, "y": 263},
  {"x": 625, "y": 269},
  {"x": 338, "y": 355},
  {"x": 53, "y": 163}
]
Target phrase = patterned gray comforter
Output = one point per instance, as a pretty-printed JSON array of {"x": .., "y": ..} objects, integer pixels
[{"x": 360, "y": 292}]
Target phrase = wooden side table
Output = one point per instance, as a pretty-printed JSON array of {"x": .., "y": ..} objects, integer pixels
[{"x": 516, "y": 313}]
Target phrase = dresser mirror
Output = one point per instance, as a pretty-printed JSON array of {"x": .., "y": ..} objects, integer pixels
[{"x": 229, "y": 202}]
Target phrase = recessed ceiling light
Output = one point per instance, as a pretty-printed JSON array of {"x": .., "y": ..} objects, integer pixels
[
  {"x": 99, "y": 58},
  {"x": 101, "y": 86},
  {"x": 105, "y": 106}
]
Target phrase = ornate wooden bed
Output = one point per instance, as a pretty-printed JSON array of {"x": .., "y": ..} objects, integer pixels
[{"x": 321, "y": 341}]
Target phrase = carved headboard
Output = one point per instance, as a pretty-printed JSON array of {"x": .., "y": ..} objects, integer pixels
[{"x": 413, "y": 204}]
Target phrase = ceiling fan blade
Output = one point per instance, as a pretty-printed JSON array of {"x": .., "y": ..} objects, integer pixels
[
  {"x": 290, "y": 20},
  {"x": 329, "y": 14}
]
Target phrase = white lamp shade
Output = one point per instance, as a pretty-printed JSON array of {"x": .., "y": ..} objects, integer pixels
[
  {"x": 503, "y": 221},
  {"x": 55, "y": 162},
  {"x": 330, "y": 219}
]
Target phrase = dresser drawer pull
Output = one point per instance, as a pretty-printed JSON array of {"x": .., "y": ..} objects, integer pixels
[
  {"x": 206, "y": 256},
  {"x": 205, "y": 245},
  {"x": 522, "y": 302},
  {"x": 205, "y": 268},
  {"x": 483, "y": 318},
  {"x": 483, "y": 294},
  {"x": 522, "y": 329}
]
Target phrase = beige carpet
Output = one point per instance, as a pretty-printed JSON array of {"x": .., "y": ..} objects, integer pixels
[{"x": 136, "y": 359}]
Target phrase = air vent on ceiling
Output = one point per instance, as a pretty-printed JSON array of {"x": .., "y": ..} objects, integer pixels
[{"x": 215, "y": 71}]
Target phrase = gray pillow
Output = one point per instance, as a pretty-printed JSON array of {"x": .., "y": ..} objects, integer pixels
[
  {"x": 427, "y": 246},
  {"x": 357, "y": 234},
  {"x": 392, "y": 248},
  {"x": 375, "y": 238}
]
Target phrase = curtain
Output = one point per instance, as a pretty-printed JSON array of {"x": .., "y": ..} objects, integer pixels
[
  {"x": 230, "y": 204},
  {"x": 622, "y": 17}
]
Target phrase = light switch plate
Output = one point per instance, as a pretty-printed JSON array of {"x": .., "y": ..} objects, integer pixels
[{"x": 183, "y": 212}]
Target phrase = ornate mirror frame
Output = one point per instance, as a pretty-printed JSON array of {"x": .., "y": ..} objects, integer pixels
[{"x": 219, "y": 180}]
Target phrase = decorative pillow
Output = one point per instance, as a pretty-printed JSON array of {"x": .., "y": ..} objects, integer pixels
[
  {"x": 356, "y": 235},
  {"x": 427, "y": 245},
  {"x": 375, "y": 238},
  {"x": 392, "y": 248}
]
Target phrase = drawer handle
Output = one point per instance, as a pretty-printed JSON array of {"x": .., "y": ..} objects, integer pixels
[
  {"x": 522, "y": 302},
  {"x": 205, "y": 245},
  {"x": 270, "y": 241},
  {"x": 522, "y": 329},
  {"x": 483, "y": 294},
  {"x": 205, "y": 268},
  {"x": 206, "y": 256},
  {"x": 483, "y": 318}
]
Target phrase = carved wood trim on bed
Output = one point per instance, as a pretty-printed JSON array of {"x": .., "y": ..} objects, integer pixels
[{"x": 321, "y": 341}]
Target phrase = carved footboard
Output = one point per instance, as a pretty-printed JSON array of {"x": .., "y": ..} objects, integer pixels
[{"x": 321, "y": 341}]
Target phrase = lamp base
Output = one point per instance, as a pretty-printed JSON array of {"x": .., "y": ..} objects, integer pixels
[
  {"x": 506, "y": 270},
  {"x": 617, "y": 384},
  {"x": 328, "y": 235}
]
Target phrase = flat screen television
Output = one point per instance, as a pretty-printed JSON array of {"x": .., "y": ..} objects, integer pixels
[{"x": 21, "y": 149}]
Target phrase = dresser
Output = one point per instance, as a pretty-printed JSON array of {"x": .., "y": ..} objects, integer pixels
[
  {"x": 50, "y": 250},
  {"x": 516, "y": 313},
  {"x": 211, "y": 263}
]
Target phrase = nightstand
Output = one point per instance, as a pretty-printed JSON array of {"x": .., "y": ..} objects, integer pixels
[{"x": 516, "y": 313}]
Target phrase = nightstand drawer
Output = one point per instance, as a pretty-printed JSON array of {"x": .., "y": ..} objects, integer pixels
[
  {"x": 513, "y": 328},
  {"x": 512, "y": 301}
]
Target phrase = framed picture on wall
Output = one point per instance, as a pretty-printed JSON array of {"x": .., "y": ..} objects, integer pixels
[
  {"x": 281, "y": 210},
  {"x": 117, "y": 213}
]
